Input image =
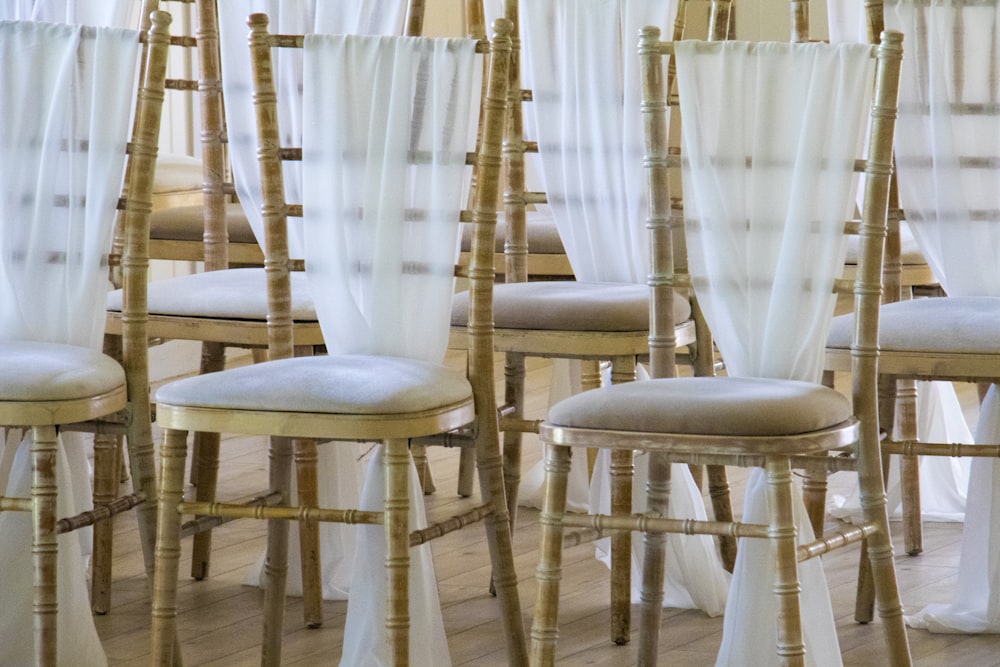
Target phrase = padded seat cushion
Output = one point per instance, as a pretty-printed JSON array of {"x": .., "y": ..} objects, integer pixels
[
  {"x": 187, "y": 223},
  {"x": 339, "y": 384},
  {"x": 177, "y": 173},
  {"x": 909, "y": 250},
  {"x": 34, "y": 371},
  {"x": 706, "y": 405},
  {"x": 569, "y": 306},
  {"x": 239, "y": 294},
  {"x": 955, "y": 324},
  {"x": 543, "y": 236}
]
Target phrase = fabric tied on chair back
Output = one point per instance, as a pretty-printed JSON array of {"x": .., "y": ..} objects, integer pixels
[
  {"x": 764, "y": 246},
  {"x": 368, "y": 17},
  {"x": 115, "y": 13}
]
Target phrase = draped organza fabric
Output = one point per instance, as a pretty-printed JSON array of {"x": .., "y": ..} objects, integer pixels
[
  {"x": 56, "y": 217},
  {"x": 585, "y": 115},
  {"x": 386, "y": 128},
  {"x": 764, "y": 246},
  {"x": 943, "y": 480},
  {"x": 339, "y": 466},
  {"x": 115, "y": 13},
  {"x": 953, "y": 64}
]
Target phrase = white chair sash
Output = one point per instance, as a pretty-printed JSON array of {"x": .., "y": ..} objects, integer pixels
[
  {"x": 340, "y": 463},
  {"x": 749, "y": 229},
  {"x": 56, "y": 217},
  {"x": 113, "y": 13},
  {"x": 962, "y": 247}
]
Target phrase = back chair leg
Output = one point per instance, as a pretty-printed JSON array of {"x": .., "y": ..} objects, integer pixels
[
  {"x": 168, "y": 549},
  {"x": 307, "y": 476},
  {"x": 276, "y": 561},
  {"x": 544, "y": 630},
  {"x": 621, "y": 473},
  {"x": 106, "y": 473}
]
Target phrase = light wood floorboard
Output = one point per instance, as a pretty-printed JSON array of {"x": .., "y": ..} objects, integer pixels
[{"x": 220, "y": 618}]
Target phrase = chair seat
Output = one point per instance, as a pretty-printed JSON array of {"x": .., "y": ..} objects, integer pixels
[
  {"x": 373, "y": 387},
  {"x": 569, "y": 306},
  {"x": 187, "y": 223},
  {"x": 726, "y": 406},
  {"x": 66, "y": 382},
  {"x": 948, "y": 325},
  {"x": 237, "y": 294},
  {"x": 543, "y": 236}
]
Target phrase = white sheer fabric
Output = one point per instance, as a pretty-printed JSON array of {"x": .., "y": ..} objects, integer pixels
[
  {"x": 940, "y": 197},
  {"x": 585, "y": 110},
  {"x": 943, "y": 481},
  {"x": 382, "y": 231},
  {"x": 763, "y": 277},
  {"x": 114, "y": 13},
  {"x": 341, "y": 463},
  {"x": 56, "y": 216}
]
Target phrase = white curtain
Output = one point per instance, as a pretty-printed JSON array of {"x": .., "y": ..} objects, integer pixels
[
  {"x": 340, "y": 466},
  {"x": 943, "y": 480},
  {"x": 764, "y": 246},
  {"x": 954, "y": 51},
  {"x": 56, "y": 217},
  {"x": 381, "y": 233},
  {"x": 116, "y": 13},
  {"x": 585, "y": 109}
]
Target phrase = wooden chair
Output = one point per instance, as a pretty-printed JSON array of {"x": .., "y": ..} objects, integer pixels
[
  {"x": 226, "y": 306},
  {"x": 771, "y": 411},
  {"x": 603, "y": 314},
  {"x": 355, "y": 396},
  {"x": 942, "y": 162},
  {"x": 56, "y": 379}
]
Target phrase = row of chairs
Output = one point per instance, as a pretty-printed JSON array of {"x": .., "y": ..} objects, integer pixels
[{"x": 175, "y": 407}]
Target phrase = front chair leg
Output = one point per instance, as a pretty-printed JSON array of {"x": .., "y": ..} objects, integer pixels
[
  {"x": 44, "y": 547},
  {"x": 545, "y": 626},
  {"x": 396, "y": 521}
]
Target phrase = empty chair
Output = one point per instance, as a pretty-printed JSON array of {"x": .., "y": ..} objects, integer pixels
[
  {"x": 375, "y": 238},
  {"x": 768, "y": 172},
  {"x": 67, "y": 97}
]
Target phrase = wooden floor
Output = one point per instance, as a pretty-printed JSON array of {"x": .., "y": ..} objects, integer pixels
[{"x": 220, "y": 618}]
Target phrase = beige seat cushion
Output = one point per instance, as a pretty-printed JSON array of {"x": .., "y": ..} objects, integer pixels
[
  {"x": 177, "y": 173},
  {"x": 909, "y": 250},
  {"x": 339, "y": 384},
  {"x": 569, "y": 306},
  {"x": 942, "y": 324},
  {"x": 543, "y": 236},
  {"x": 229, "y": 294},
  {"x": 34, "y": 371},
  {"x": 186, "y": 223},
  {"x": 709, "y": 405}
]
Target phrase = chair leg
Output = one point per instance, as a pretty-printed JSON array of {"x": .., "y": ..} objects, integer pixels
[
  {"x": 545, "y": 626},
  {"x": 397, "y": 558},
  {"x": 306, "y": 460},
  {"x": 466, "y": 471},
  {"x": 909, "y": 472},
  {"x": 419, "y": 453},
  {"x": 276, "y": 561},
  {"x": 781, "y": 531},
  {"x": 514, "y": 371},
  {"x": 168, "y": 549},
  {"x": 44, "y": 546},
  {"x": 106, "y": 473},
  {"x": 621, "y": 473},
  {"x": 205, "y": 458},
  {"x": 654, "y": 561},
  {"x": 722, "y": 510}
]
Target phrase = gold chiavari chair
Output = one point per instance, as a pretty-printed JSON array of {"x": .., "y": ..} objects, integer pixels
[
  {"x": 771, "y": 411},
  {"x": 344, "y": 397},
  {"x": 55, "y": 379}
]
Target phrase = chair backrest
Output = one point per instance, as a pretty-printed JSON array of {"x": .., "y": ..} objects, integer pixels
[
  {"x": 384, "y": 151},
  {"x": 948, "y": 151},
  {"x": 765, "y": 244},
  {"x": 65, "y": 133},
  {"x": 370, "y": 17}
]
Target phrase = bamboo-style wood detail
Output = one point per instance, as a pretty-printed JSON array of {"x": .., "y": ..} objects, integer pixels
[
  {"x": 395, "y": 430},
  {"x": 778, "y": 455}
]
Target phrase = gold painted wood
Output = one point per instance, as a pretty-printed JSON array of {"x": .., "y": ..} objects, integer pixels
[
  {"x": 777, "y": 454},
  {"x": 395, "y": 430}
]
